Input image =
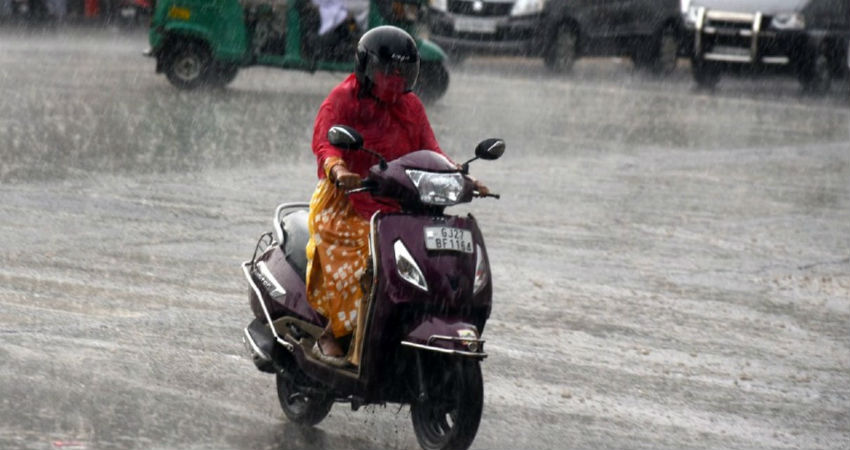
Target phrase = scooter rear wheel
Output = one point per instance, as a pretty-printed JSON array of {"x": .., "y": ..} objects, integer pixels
[
  {"x": 448, "y": 418},
  {"x": 299, "y": 406}
]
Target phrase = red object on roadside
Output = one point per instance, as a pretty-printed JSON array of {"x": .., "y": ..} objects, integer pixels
[{"x": 92, "y": 8}]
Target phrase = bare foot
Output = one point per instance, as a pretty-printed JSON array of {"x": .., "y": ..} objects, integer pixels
[{"x": 329, "y": 346}]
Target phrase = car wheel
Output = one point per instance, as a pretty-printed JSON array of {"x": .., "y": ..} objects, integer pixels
[
  {"x": 661, "y": 54},
  {"x": 816, "y": 75},
  {"x": 667, "y": 53},
  {"x": 457, "y": 57},
  {"x": 563, "y": 52},
  {"x": 706, "y": 74},
  {"x": 187, "y": 64},
  {"x": 220, "y": 75}
]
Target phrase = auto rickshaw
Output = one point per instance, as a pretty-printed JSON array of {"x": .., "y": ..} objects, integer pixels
[{"x": 206, "y": 42}]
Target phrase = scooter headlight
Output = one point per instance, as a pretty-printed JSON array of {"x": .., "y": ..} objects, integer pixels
[
  {"x": 481, "y": 271},
  {"x": 439, "y": 189},
  {"x": 407, "y": 268}
]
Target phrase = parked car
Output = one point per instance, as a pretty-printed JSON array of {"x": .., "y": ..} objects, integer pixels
[
  {"x": 805, "y": 37},
  {"x": 561, "y": 31},
  {"x": 29, "y": 10}
]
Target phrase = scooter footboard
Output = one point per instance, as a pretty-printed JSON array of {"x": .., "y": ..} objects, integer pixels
[{"x": 447, "y": 336}]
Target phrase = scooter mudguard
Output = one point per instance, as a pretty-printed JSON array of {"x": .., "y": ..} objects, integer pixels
[
  {"x": 446, "y": 335},
  {"x": 282, "y": 288}
]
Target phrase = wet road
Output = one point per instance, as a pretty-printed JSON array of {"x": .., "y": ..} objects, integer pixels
[{"x": 672, "y": 268}]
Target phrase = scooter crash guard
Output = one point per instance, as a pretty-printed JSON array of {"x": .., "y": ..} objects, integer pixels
[{"x": 448, "y": 336}]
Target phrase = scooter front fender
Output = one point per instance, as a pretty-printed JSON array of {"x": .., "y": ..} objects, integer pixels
[{"x": 447, "y": 336}]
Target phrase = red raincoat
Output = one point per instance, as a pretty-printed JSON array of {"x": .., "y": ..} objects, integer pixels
[{"x": 391, "y": 130}]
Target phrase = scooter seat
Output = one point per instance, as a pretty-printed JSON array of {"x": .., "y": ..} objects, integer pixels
[{"x": 296, "y": 236}]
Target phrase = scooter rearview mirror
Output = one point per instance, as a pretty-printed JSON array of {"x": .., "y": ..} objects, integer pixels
[
  {"x": 345, "y": 137},
  {"x": 490, "y": 149}
]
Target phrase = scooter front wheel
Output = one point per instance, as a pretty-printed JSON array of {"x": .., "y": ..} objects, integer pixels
[
  {"x": 448, "y": 418},
  {"x": 299, "y": 406}
]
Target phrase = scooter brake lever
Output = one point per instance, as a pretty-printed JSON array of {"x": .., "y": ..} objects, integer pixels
[
  {"x": 365, "y": 186},
  {"x": 356, "y": 190}
]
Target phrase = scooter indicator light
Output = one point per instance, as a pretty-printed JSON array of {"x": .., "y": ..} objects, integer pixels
[
  {"x": 481, "y": 270},
  {"x": 407, "y": 268}
]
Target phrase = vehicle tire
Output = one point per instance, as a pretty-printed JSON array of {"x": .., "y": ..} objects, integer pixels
[
  {"x": 563, "y": 51},
  {"x": 298, "y": 406},
  {"x": 127, "y": 22},
  {"x": 448, "y": 418},
  {"x": 667, "y": 53},
  {"x": 433, "y": 81},
  {"x": 457, "y": 57},
  {"x": 187, "y": 64},
  {"x": 816, "y": 75},
  {"x": 706, "y": 74},
  {"x": 220, "y": 75}
]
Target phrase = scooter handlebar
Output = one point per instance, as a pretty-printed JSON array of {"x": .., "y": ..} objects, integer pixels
[
  {"x": 365, "y": 186},
  {"x": 494, "y": 195}
]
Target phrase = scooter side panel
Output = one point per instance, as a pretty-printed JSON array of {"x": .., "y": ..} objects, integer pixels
[{"x": 279, "y": 274}]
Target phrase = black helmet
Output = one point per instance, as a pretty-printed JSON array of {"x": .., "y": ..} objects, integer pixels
[{"x": 387, "y": 62}]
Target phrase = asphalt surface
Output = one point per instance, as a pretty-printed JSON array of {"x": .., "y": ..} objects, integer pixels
[{"x": 671, "y": 267}]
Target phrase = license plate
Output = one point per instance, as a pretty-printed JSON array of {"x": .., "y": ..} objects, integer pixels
[
  {"x": 448, "y": 238},
  {"x": 128, "y": 12},
  {"x": 475, "y": 25}
]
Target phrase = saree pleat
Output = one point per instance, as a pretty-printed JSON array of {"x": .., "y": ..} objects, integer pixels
[{"x": 337, "y": 256}]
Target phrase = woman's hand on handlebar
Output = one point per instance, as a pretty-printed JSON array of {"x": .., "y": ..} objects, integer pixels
[
  {"x": 482, "y": 189},
  {"x": 344, "y": 178}
]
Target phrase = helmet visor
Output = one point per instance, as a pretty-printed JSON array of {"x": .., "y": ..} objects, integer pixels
[{"x": 398, "y": 77}]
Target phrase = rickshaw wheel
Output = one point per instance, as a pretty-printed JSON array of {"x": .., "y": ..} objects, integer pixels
[
  {"x": 221, "y": 75},
  {"x": 187, "y": 64},
  {"x": 433, "y": 81}
]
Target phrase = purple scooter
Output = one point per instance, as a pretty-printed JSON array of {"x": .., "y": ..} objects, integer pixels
[{"x": 427, "y": 297}]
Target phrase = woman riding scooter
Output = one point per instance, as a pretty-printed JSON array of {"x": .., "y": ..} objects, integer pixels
[{"x": 377, "y": 101}]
